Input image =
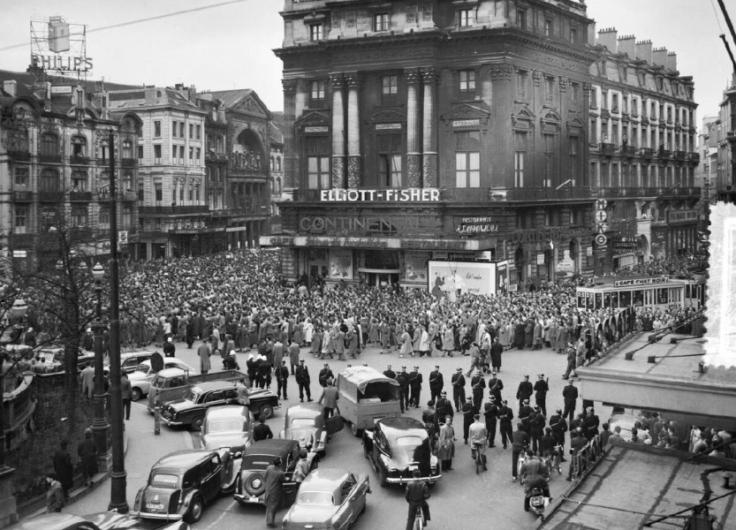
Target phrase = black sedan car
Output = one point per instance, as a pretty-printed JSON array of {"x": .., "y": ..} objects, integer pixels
[
  {"x": 250, "y": 485},
  {"x": 182, "y": 483},
  {"x": 397, "y": 447},
  {"x": 190, "y": 410}
]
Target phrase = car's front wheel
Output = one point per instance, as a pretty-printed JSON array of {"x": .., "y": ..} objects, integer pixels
[
  {"x": 136, "y": 394},
  {"x": 383, "y": 477},
  {"x": 197, "y": 423},
  {"x": 195, "y": 511},
  {"x": 266, "y": 411}
]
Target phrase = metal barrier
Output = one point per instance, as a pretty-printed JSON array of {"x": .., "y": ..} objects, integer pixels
[
  {"x": 586, "y": 458},
  {"x": 18, "y": 408}
]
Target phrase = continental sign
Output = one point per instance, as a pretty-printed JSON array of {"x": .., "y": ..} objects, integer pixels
[
  {"x": 641, "y": 281},
  {"x": 407, "y": 224}
]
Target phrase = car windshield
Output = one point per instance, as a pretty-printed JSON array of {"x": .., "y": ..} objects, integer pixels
[
  {"x": 225, "y": 426},
  {"x": 158, "y": 382},
  {"x": 162, "y": 480},
  {"x": 256, "y": 461},
  {"x": 315, "y": 498},
  {"x": 302, "y": 422},
  {"x": 142, "y": 368}
]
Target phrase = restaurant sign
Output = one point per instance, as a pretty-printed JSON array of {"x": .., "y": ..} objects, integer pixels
[
  {"x": 475, "y": 225},
  {"x": 641, "y": 281}
]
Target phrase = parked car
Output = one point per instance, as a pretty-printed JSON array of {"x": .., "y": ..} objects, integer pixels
[
  {"x": 182, "y": 483},
  {"x": 328, "y": 498},
  {"x": 174, "y": 383},
  {"x": 250, "y": 486},
  {"x": 95, "y": 521},
  {"x": 366, "y": 395},
  {"x": 54, "y": 359},
  {"x": 143, "y": 375},
  {"x": 305, "y": 424},
  {"x": 229, "y": 427},
  {"x": 130, "y": 360},
  {"x": 397, "y": 447},
  {"x": 190, "y": 410}
]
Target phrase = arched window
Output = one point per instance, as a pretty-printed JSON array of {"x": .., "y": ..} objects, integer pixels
[
  {"x": 79, "y": 147},
  {"x": 49, "y": 181},
  {"x": 128, "y": 182},
  {"x": 79, "y": 182},
  {"x": 18, "y": 140},
  {"x": 127, "y": 149},
  {"x": 273, "y": 165},
  {"x": 49, "y": 144}
]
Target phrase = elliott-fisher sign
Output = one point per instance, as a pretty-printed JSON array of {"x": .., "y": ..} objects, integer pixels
[{"x": 411, "y": 195}]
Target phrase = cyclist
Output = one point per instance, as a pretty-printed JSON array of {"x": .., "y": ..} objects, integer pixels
[
  {"x": 417, "y": 493},
  {"x": 478, "y": 435}
]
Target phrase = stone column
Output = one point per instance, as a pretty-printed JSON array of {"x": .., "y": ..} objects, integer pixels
[
  {"x": 338, "y": 131},
  {"x": 354, "y": 158},
  {"x": 429, "y": 144},
  {"x": 413, "y": 129},
  {"x": 290, "y": 156}
]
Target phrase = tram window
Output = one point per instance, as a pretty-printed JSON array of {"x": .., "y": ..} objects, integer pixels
[
  {"x": 661, "y": 296},
  {"x": 638, "y": 298},
  {"x": 581, "y": 300},
  {"x": 625, "y": 298},
  {"x": 598, "y": 300}
]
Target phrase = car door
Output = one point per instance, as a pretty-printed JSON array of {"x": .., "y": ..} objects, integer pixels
[
  {"x": 231, "y": 396},
  {"x": 214, "y": 398},
  {"x": 290, "y": 485},
  {"x": 212, "y": 477}
]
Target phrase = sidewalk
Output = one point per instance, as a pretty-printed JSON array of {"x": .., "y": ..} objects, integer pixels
[{"x": 142, "y": 450}]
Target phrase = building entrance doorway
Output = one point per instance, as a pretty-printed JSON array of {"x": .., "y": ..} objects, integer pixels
[{"x": 382, "y": 278}]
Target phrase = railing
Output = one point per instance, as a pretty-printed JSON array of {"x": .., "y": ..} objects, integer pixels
[
  {"x": 608, "y": 149},
  {"x": 647, "y": 152},
  {"x": 79, "y": 160},
  {"x": 695, "y": 157},
  {"x": 80, "y": 196},
  {"x": 247, "y": 173},
  {"x": 129, "y": 162},
  {"x": 51, "y": 196},
  {"x": 665, "y": 153},
  {"x": 586, "y": 458},
  {"x": 49, "y": 159},
  {"x": 23, "y": 196},
  {"x": 648, "y": 192},
  {"x": 18, "y": 405},
  {"x": 20, "y": 156},
  {"x": 172, "y": 210},
  {"x": 629, "y": 151},
  {"x": 680, "y": 155},
  {"x": 254, "y": 209}
]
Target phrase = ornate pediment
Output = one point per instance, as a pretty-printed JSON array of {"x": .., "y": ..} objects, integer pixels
[
  {"x": 550, "y": 120},
  {"x": 574, "y": 124},
  {"x": 388, "y": 115},
  {"x": 251, "y": 105},
  {"x": 522, "y": 117},
  {"x": 314, "y": 122},
  {"x": 466, "y": 111}
]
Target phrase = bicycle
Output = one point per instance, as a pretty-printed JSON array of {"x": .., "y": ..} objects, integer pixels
[
  {"x": 477, "y": 455},
  {"x": 419, "y": 521}
]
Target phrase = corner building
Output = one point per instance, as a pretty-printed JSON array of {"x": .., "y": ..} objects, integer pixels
[{"x": 436, "y": 130}]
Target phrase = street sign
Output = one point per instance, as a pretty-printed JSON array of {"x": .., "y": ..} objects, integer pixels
[
  {"x": 602, "y": 227},
  {"x": 601, "y": 240},
  {"x": 601, "y": 204},
  {"x": 600, "y": 216},
  {"x": 20, "y": 254}
]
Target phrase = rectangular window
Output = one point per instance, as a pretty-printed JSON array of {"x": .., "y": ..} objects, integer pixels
[
  {"x": 197, "y": 155},
  {"x": 173, "y": 129},
  {"x": 595, "y": 181},
  {"x": 389, "y": 85},
  {"x": 467, "y": 159},
  {"x": 21, "y": 219},
  {"x": 79, "y": 216},
  {"x": 389, "y": 169},
  {"x": 604, "y": 175},
  {"x": 574, "y": 150},
  {"x": 157, "y": 129},
  {"x": 181, "y": 129},
  {"x": 191, "y": 155},
  {"x": 521, "y": 18},
  {"x": 548, "y": 28},
  {"x": 79, "y": 182},
  {"x": 21, "y": 178},
  {"x": 191, "y": 131},
  {"x": 573, "y": 35},
  {"x": 466, "y": 18},
  {"x": 549, "y": 160},
  {"x": 521, "y": 80},
  {"x": 315, "y": 32},
  {"x": 549, "y": 83},
  {"x": 140, "y": 152},
  {"x": 318, "y": 90},
  {"x": 467, "y": 80},
  {"x": 104, "y": 215},
  {"x": 593, "y": 131},
  {"x": 159, "y": 192},
  {"x": 593, "y": 98},
  {"x": 519, "y": 168},
  {"x": 575, "y": 91},
  {"x": 614, "y": 102},
  {"x": 615, "y": 176},
  {"x": 199, "y": 132},
  {"x": 318, "y": 170},
  {"x": 380, "y": 22}
]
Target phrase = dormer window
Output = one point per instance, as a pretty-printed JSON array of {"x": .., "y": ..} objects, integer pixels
[
  {"x": 316, "y": 32},
  {"x": 380, "y": 22},
  {"x": 466, "y": 18}
]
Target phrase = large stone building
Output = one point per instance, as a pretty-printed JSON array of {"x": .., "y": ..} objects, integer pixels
[
  {"x": 55, "y": 170},
  {"x": 436, "y": 130},
  {"x": 466, "y": 131},
  {"x": 643, "y": 150}
]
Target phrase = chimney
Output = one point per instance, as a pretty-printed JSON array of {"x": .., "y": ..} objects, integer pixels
[
  {"x": 151, "y": 95},
  {"x": 672, "y": 61},
  {"x": 10, "y": 86},
  {"x": 644, "y": 51},
  {"x": 627, "y": 45},
  {"x": 659, "y": 56},
  {"x": 607, "y": 38}
]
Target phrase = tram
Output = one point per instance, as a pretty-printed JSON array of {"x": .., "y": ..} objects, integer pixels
[{"x": 650, "y": 292}]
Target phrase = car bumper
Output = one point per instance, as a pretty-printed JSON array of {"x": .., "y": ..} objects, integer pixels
[
  {"x": 399, "y": 480},
  {"x": 160, "y": 516},
  {"x": 171, "y": 423},
  {"x": 248, "y": 499}
]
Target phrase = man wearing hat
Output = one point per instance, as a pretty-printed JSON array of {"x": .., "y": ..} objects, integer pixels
[
  {"x": 169, "y": 348},
  {"x": 477, "y": 385},
  {"x": 559, "y": 428},
  {"x": 505, "y": 416},
  {"x": 403, "y": 379},
  {"x": 525, "y": 416},
  {"x": 491, "y": 417},
  {"x": 541, "y": 387},
  {"x": 524, "y": 392},
  {"x": 282, "y": 375},
  {"x": 495, "y": 385},
  {"x": 537, "y": 422},
  {"x": 519, "y": 443},
  {"x": 328, "y": 399},
  {"x": 468, "y": 416},
  {"x": 570, "y": 395},
  {"x": 324, "y": 375},
  {"x": 590, "y": 424},
  {"x": 496, "y": 352},
  {"x": 388, "y": 372},
  {"x": 415, "y": 385},
  {"x": 436, "y": 383},
  {"x": 303, "y": 380},
  {"x": 444, "y": 406},
  {"x": 458, "y": 389}
]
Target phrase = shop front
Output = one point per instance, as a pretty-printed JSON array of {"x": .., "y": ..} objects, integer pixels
[{"x": 683, "y": 230}]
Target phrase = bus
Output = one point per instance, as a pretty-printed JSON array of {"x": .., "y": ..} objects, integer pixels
[{"x": 653, "y": 292}]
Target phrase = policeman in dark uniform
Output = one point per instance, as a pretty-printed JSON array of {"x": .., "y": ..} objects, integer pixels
[
  {"x": 262, "y": 431},
  {"x": 303, "y": 380},
  {"x": 389, "y": 372},
  {"x": 415, "y": 385},
  {"x": 519, "y": 443},
  {"x": 570, "y": 395},
  {"x": 458, "y": 389},
  {"x": 525, "y": 413},
  {"x": 468, "y": 418},
  {"x": 477, "y": 384},
  {"x": 505, "y": 416},
  {"x": 443, "y": 407},
  {"x": 559, "y": 428},
  {"x": 436, "y": 383},
  {"x": 282, "y": 375},
  {"x": 541, "y": 387},
  {"x": 524, "y": 392},
  {"x": 590, "y": 424},
  {"x": 491, "y": 417},
  {"x": 403, "y": 379},
  {"x": 495, "y": 385},
  {"x": 325, "y": 374}
]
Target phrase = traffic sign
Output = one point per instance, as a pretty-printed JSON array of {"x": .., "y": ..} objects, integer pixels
[
  {"x": 602, "y": 228},
  {"x": 601, "y": 240},
  {"x": 601, "y": 204},
  {"x": 600, "y": 216}
]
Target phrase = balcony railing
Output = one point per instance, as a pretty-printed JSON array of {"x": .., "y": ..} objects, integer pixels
[
  {"x": 628, "y": 151},
  {"x": 129, "y": 196},
  {"x": 20, "y": 156},
  {"x": 172, "y": 210},
  {"x": 80, "y": 196},
  {"x": 49, "y": 159},
  {"x": 695, "y": 157},
  {"x": 79, "y": 160},
  {"x": 252, "y": 209},
  {"x": 665, "y": 153},
  {"x": 23, "y": 196},
  {"x": 646, "y": 152},
  {"x": 608, "y": 149},
  {"x": 51, "y": 196},
  {"x": 647, "y": 192},
  {"x": 680, "y": 155},
  {"x": 129, "y": 162}
]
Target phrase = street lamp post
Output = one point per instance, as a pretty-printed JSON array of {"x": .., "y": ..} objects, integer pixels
[{"x": 99, "y": 423}]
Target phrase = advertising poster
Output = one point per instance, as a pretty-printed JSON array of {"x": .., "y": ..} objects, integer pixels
[
  {"x": 448, "y": 279},
  {"x": 502, "y": 275},
  {"x": 415, "y": 267},
  {"x": 341, "y": 265}
]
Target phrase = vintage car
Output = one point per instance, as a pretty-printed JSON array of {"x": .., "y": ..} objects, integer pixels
[
  {"x": 141, "y": 377},
  {"x": 305, "y": 424},
  {"x": 54, "y": 358},
  {"x": 130, "y": 360},
  {"x": 250, "y": 486},
  {"x": 182, "y": 483},
  {"x": 397, "y": 447},
  {"x": 328, "y": 498},
  {"x": 230, "y": 426},
  {"x": 95, "y": 521},
  {"x": 190, "y": 411}
]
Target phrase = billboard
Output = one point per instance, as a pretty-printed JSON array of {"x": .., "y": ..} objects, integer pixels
[{"x": 448, "y": 279}]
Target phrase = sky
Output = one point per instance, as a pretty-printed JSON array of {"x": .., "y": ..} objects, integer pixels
[{"x": 230, "y": 45}]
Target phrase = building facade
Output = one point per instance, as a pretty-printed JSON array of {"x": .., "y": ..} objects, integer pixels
[
  {"x": 643, "y": 152},
  {"x": 436, "y": 130},
  {"x": 55, "y": 171}
]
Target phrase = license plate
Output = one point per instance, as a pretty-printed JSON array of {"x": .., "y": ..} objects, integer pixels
[
  {"x": 154, "y": 506},
  {"x": 254, "y": 499},
  {"x": 412, "y": 468}
]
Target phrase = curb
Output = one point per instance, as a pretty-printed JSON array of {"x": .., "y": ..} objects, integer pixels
[{"x": 31, "y": 509}]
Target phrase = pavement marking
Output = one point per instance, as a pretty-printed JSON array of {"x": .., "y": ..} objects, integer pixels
[{"x": 226, "y": 512}]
